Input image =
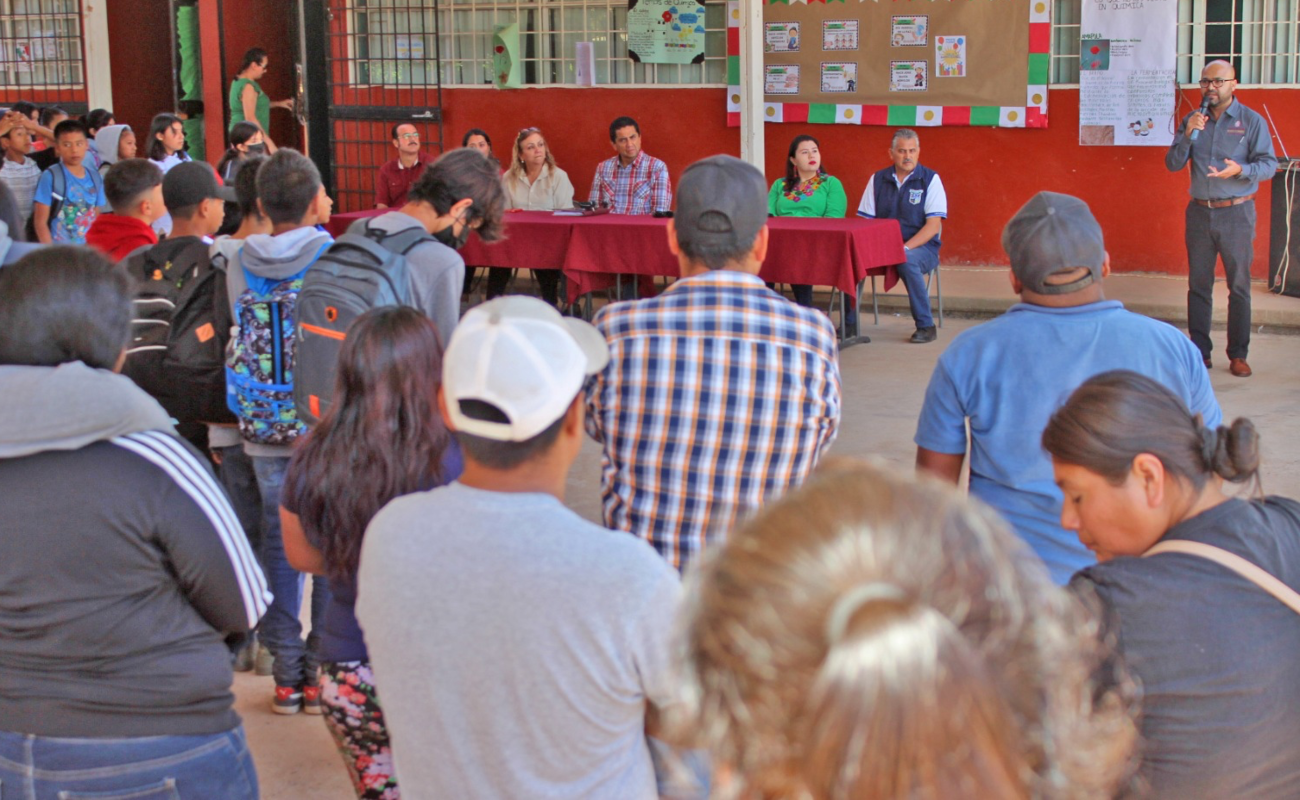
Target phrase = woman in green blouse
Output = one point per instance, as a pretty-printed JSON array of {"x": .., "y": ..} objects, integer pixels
[
  {"x": 248, "y": 101},
  {"x": 806, "y": 191}
]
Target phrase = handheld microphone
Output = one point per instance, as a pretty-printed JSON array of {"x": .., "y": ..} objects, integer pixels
[{"x": 1204, "y": 111}]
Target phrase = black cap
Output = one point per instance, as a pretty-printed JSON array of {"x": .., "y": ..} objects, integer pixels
[
  {"x": 190, "y": 183},
  {"x": 721, "y": 201}
]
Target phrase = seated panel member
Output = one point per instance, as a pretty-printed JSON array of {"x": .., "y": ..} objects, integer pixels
[
  {"x": 395, "y": 178},
  {"x": 913, "y": 195},
  {"x": 533, "y": 183},
  {"x": 631, "y": 182},
  {"x": 806, "y": 191}
]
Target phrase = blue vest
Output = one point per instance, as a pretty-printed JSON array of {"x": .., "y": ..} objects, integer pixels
[{"x": 906, "y": 203}]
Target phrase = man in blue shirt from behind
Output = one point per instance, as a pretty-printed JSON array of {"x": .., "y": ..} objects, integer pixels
[{"x": 1008, "y": 375}]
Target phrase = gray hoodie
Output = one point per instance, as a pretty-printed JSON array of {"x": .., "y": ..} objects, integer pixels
[
  {"x": 11, "y": 251},
  {"x": 276, "y": 258},
  {"x": 106, "y": 141},
  {"x": 124, "y": 566}
]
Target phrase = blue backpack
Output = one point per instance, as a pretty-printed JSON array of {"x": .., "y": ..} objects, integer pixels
[
  {"x": 259, "y": 363},
  {"x": 59, "y": 192}
]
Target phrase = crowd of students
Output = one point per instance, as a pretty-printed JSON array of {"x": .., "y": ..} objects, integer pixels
[{"x": 166, "y": 482}]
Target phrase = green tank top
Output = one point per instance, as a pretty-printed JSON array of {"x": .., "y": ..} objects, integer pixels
[{"x": 263, "y": 108}]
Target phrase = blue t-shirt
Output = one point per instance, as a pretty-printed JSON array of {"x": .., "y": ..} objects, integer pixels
[
  {"x": 341, "y": 639},
  {"x": 81, "y": 203},
  {"x": 1010, "y": 374}
]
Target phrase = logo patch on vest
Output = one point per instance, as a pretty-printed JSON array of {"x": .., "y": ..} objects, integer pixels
[{"x": 914, "y": 196}]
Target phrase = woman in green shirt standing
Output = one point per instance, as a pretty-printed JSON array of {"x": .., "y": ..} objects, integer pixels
[
  {"x": 248, "y": 101},
  {"x": 806, "y": 191}
]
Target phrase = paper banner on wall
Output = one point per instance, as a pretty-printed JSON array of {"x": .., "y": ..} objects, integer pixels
[
  {"x": 1127, "y": 54},
  {"x": 665, "y": 31},
  {"x": 506, "y": 63}
]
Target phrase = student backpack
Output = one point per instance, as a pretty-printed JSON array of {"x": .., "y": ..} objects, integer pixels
[
  {"x": 180, "y": 315},
  {"x": 261, "y": 358},
  {"x": 360, "y": 271},
  {"x": 58, "y": 191}
]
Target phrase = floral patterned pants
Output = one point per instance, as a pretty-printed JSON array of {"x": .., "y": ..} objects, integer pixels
[{"x": 356, "y": 722}]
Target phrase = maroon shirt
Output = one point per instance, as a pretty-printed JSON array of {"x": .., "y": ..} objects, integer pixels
[{"x": 393, "y": 181}]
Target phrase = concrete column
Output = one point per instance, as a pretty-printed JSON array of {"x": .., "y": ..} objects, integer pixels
[
  {"x": 99, "y": 73},
  {"x": 751, "y": 82}
]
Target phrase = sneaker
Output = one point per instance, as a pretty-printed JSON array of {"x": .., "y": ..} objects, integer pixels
[
  {"x": 288, "y": 700},
  {"x": 311, "y": 700},
  {"x": 264, "y": 662},
  {"x": 924, "y": 335}
]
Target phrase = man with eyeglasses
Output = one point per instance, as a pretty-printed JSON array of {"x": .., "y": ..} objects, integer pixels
[
  {"x": 395, "y": 178},
  {"x": 1231, "y": 152}
]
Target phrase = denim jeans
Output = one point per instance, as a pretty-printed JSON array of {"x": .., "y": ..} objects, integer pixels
[
  {"x": 1227, "y": 232},
  {"x": 240, "y": 481},
  {"x": 920, "y": 262},
  {"x": 140, "y": 768},
  {"x": 296, "y": 662}
]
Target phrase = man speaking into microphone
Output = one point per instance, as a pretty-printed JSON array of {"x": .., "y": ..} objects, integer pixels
[{"x": 1231, "y": 152}]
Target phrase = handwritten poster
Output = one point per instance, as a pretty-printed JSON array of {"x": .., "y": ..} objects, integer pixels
[
  {"x": 840, "y": 34},
  {"x": 665, "y": 31},
  {"x": 909, "y": 31},
  {"x": 907, "y": 76},
  {"x": 781, "y": 37},
  {"x": 1127, "y": 54}
]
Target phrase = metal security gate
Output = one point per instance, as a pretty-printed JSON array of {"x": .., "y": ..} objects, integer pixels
[
  {"x": 43, "y": 60},
  {"x": 380, "y": 67}
]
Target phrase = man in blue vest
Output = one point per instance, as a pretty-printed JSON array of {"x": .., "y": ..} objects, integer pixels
[{"x": 913, "y": 195}]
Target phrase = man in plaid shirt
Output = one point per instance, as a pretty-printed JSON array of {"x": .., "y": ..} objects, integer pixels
[
  {"x": 719, "y": 392},
  {"x": 631, "y": 182}
]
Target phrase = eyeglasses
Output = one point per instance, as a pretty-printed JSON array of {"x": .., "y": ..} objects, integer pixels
[
  {"x": 1216, "y": 82},
  {"x": 408, "y": 136}
]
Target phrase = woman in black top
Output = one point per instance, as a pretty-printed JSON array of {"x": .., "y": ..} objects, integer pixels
[{"x": 1217, "y": 656}]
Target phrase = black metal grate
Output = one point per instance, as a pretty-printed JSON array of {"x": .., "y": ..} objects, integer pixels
[
  {"x": 383, "y": 63},
  {"x": 41, "y": 56}
]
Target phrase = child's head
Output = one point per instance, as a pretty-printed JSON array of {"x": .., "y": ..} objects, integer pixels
[
  {"x": 29, "y": 110},
  {"x": 97, "y": 119},
  {"x": 126, "y": 144},
  {"x": 51, "y": 116},
  {"x": 290, "y": 190},
  {"x": 166, "y": 136},
  {"x": 134, "y": 189},
  {"x": 17, "y": 142},
  {"x": 192, "y": 196},
  {"x": 71, "y": 141},
  {"x": 246, "y": 188}
]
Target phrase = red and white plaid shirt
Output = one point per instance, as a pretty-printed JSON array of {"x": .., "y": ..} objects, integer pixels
[{"x": 641, "y": 187}]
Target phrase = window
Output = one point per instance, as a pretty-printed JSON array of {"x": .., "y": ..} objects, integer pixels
[
  {"x": 393, "y": 42},
  {"x": 1261, "y": 38},
  {"x": 40, "y": 44}
]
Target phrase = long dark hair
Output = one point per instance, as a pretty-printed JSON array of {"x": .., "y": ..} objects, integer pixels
[
  {"x": 383, "y": 437},
  {"x": 792, "y": 174},
  {"x": 161, "y": 123},
  {"x": 1115, "y": 416},
  {"x": 240, "y": 133}
]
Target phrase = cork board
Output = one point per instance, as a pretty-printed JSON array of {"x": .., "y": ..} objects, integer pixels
[{"x": 911, "y": 62}]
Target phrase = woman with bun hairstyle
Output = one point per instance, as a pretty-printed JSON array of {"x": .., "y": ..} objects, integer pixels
[
  {"x": 1218, "y": 656},
  {"x": 871, "y": 636}
]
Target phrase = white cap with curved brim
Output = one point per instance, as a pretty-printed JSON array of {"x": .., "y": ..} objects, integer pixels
[{"x": 521, "y": 356}]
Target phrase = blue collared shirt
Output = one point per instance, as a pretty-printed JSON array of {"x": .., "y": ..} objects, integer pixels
[{"x": 1239, "y": 134}]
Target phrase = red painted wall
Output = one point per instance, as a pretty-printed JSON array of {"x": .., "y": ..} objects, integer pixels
[
  {"x": 139, "y": 63},
  {"x": 268, "y": 25}
]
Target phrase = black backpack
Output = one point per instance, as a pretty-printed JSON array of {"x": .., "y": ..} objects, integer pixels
[
  {"x": 365, "y": 268},
  {"x": 179, "y": 330}
]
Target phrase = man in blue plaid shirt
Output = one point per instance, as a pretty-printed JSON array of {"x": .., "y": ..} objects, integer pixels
[{"x": 719, "y": 392}]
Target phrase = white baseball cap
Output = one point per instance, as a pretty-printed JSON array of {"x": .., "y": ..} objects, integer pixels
[{"x": 521, "y": 356}]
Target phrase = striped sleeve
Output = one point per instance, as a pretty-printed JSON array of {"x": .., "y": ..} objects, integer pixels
[{"x": 203, "y": 539}]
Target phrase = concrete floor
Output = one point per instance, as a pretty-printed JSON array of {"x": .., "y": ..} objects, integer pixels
[{"x": 883, "y": 383}]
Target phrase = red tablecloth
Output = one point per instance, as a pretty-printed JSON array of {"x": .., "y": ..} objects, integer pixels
[{"x": 593, "y": 250}]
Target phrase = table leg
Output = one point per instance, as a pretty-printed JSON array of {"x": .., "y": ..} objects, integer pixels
[{"x": 848, "y": 337}]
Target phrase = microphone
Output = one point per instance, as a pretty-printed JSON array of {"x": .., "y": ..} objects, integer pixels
[{"x": 1204, "y": 111}]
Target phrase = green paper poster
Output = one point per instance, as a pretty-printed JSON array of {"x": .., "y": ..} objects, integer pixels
[
  {"x": 665, "y": 31},
  {"x": 505, "y": 56}
]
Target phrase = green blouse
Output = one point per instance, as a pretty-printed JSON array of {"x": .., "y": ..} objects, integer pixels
[
  {"x": 263, "y": 108},
  {"x": 823, "y": 197}
]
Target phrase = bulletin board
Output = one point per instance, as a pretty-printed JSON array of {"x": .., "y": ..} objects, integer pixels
[{"x": 900, "y": 62}]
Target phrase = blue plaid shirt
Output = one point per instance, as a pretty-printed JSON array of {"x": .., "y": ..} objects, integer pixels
[{"x": 719, "y": 394}]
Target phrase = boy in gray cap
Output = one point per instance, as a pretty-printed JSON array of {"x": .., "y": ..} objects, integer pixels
[
  {"x": 1009, "y": 374},
  {"x": 719, "y": 392}
]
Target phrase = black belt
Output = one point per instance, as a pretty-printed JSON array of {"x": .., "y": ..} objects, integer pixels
[{"x": 1231, "y": 201}]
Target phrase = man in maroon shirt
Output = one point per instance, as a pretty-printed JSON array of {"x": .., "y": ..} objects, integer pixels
[{"x": 396, "y": 177}]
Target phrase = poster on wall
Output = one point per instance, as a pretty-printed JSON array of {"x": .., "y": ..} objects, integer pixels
[
  {"x": 23, "y": 56},
  {"x": 665, "y": 31},
  {"x": 1127, "y": 83},
  {"x": 862, "y": 63}
]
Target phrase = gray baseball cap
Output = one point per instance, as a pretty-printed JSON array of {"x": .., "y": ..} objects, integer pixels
[
  {"x": 1053, "y": 233},
  {"x": 721, "y": 202}
]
